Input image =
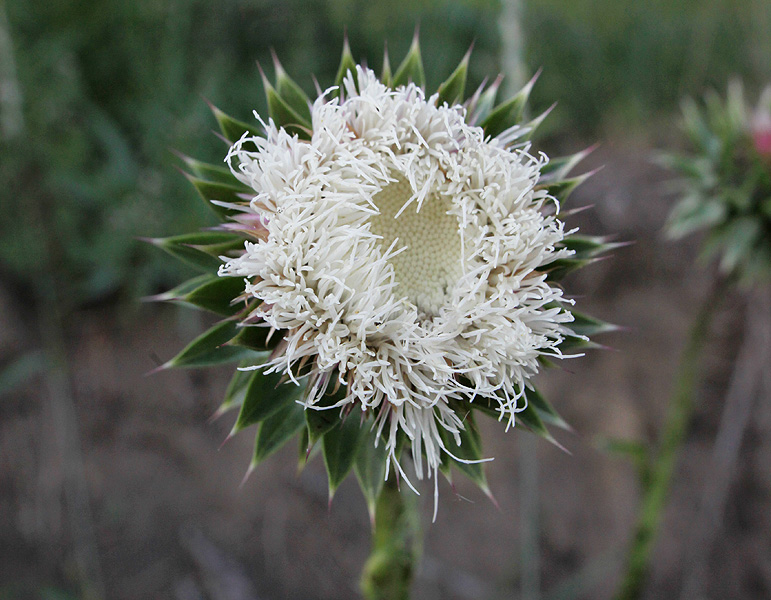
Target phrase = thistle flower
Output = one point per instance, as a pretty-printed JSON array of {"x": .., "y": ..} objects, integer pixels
[
  {"x": 725, "y": 182},
  {"x": 400, "y": 268}
]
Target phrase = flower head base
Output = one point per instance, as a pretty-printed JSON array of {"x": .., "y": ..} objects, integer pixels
[
  {"x": 401, "y": 263},
  {"x": 726, "y": 182}
]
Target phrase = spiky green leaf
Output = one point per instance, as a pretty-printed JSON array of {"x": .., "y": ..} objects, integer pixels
[
  {"x": 385, "y": 75},
  {"x": 545, "y": 409},
  {"x": 340, "y": 446},
  {"x": 590, "y": 326},
  {"x": 558, "y": 269},
  {"x": 370, "y": 467},
  {"x": 284, "y": 115},
  {"x": 469, "y": 451},
  {"x": 321, "y": 417},
  {"x": 236, "y": 390},
  {"x": 199, "y": 249},
  {"x": 217, "y": 295},
  {"x": 265, "y": 395},
  {"x": 210, "y": 349},
  {"x": 508, "y": 113},
  {"x": 562, "y": 189},
  {"x": 256, "y": 337},
  {"x": 291, "y": 93},
  {"x": 451, "y": 90},
  {"x": 347, "y": 64},
  {"x": 277, "y": 430},
  {"x": 232, "y": 129},
  {"x": 411, "y": 68},
  {"x": 209, "y": 172},
  {"x": 215, "y": 193},
  {"x": 482, "y": 102}
]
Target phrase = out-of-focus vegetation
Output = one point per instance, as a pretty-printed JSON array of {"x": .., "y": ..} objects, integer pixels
[{"x": 109, "y": 87}]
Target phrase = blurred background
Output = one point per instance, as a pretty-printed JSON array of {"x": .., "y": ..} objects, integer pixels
[{"x": 117, "y": 485}]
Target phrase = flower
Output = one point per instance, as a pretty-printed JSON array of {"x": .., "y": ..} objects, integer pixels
[
  {"x": 402, "y": 257},
  {"x": 725, "y": 182},
  {"x": 390, "y": 264}
]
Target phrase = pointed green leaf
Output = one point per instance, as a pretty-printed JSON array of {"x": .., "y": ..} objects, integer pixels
[
  {"x": 219, "y": 192},
  {"x": 469, "y": 449},
  {"x": 558, "y": 269},
  {"x": 340, "y": 446},
  {"x": 531, "y": 419},
  {"x": 291, "y": 93},
  {"x": 199, "y": 249},
  {"x": 529, "y": 128},
  {"x": 585, "y": 325},
  {"x": 544, "y": 409},
  {"x": 320, "y": 418},
  {"x": 488, "y": 406},
  {"x": 265, "y": 395},
  {"x": 452, "y": 89},
  {"x": 558, "y": 168},
  {"x": 236, "y": 390},
  {"x": 386, "y": 76},
  {"x": 562, "y": 189},
  {"x": 209, "y": 349},
  {"x": 232, "y": 129},
  {"x": 276, "y": 430},
  {"x": 303, "y": 449},
  {"x": 216, "y": 295},
  {"x": 585, "y": 246},
  {"x": 572, "y": 344},
  {"x": 183, "y": 288},
  {"x": 255, "y": 337},
  {"x": 346, "y": 64},
  {"x": 283, "y": 114},
  {"x": 411, "y": 69},
  {"x": 483, "y": 104},
  {"x": 210, "y": 172},
  {"x": 508, "y": 113},
  {"x": 370, "y": 466}
]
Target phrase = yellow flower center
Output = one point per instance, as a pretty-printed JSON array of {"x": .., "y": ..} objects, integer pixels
[{"x": 431, "y": 264}]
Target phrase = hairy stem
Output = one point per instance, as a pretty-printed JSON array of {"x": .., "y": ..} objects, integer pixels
[
  {"x": 391, "y": 565},
  {"x": 656, "y": 488}
]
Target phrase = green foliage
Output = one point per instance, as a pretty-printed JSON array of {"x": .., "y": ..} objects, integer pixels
[{"x": 627, "y": 64}]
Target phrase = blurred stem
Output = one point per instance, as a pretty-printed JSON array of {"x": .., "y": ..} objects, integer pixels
[
  {"x": 529, "y": 547},
  {"x": 656, "y": 488},
  {"x": 58, "y": 386},
  {"x": 395, "y": 552},
  {"x": 512, "y": 46},
  {"x": 743, "y": 391},
  {"x": 11, "y": 114}
]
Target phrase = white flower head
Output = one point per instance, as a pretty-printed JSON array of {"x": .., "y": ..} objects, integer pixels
[{"x": 404, "y": 259}]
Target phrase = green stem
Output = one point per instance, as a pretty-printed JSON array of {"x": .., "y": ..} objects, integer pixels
[
  {"x": 389, "y": 569},
  {"x": 659, "y": 477}
]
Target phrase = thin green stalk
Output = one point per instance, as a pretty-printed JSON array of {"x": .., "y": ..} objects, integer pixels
[
  {"x": 395, "y": 552},
  {"x": 656, "y": 487}
]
